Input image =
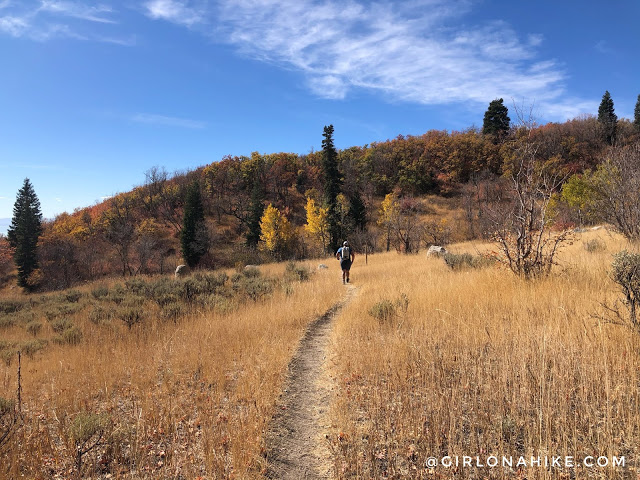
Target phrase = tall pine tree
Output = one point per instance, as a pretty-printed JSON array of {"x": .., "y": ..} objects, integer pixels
[
  {"x": 608, "y": 119},
  {"x": 636, "y": 115},
  {"x": 194, "y": 238},
  {"x": 23, "y": 234},
  {"x": 331, "y": 185},
  {"x": 496, "y": 120},
  {"x": 256, "y": 208}
]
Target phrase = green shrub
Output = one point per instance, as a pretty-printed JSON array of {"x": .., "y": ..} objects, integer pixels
[
  {"x": 100, "y": 315},
  {"x": 59, "y": 325},
  {"x": 11, "y": 306},
  {"x": 7, "y": 321},
  {"x": 56, "y": 311},
  {"x": 384, "y": 311},
  {"x": 254, "y": 288},
  {"x": 173, "y": 311},
  {"x": 7, "y": 351},
  {"x": 71, "y": 336},
  {"x": 131, "y": 315},
  {"x": 34, "y": 328},
  {"x": 136, "y": 285},
  {"x": 626, "y": 273},
  {"x": 72, "y": 296},
  {"x": 7, "y": 407},
  {"x": 100, "y": 292},
  {"x": 595, "y": 245},
  {"x": 465, "y": 260},
  {"x": 298, "y": 272},
  {"x": 32, "y": 347}
]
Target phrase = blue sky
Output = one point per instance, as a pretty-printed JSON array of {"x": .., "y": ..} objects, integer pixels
[{"x": 93, "y": 94}]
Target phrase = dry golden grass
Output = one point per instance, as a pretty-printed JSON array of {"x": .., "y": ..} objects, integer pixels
[
  {"x": 483, "y": 363},
  {"x": 480, "y": 363},
  {"x": 185, "y": 400}
]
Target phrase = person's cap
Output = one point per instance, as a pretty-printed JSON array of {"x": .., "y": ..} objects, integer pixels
[{"x": 345, "y": 243}]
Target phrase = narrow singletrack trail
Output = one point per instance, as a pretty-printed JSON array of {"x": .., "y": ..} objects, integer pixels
[{"x": 297, "y": 448}]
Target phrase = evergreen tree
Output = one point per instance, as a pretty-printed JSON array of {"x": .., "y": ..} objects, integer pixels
[
  {"x": 331, "y": 185},
  {"x": 256, "y": 208},
  {"x": 636, "y": 114},
  {"x": 194, "y": 238},
  {"x": 23, "y": 234},
  {"x": 496, "y": 119},
  {"x": 608, "y": 118},
  {"x": 357, "y": 211}
]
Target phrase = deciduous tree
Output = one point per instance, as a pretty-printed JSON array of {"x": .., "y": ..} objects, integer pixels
[
  {"x": 636, "y": 115},
  {"x": 277, "y": 233},
  {"x": 317, "y": 222}
]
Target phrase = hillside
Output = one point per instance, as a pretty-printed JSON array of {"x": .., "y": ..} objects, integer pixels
[
  {"x": 422, "y": 360},
  {"x": 138, "y": 232}
]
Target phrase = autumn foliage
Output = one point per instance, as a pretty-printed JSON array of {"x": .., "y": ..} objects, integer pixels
[{"x": 138, "y": 232}]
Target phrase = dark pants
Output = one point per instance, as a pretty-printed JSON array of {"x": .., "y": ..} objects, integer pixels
[{"x": 345, "y": 264}]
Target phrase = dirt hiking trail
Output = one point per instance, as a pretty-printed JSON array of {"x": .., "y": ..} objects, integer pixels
[{"x": 296, "y": 445}]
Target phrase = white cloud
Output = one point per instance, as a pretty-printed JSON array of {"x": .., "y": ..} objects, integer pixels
[
  {"x": 167, "y": 121},
  {"x": 44, "y": 20},
  {"x": 173, "y": 11},
  {"x": 14, "y": 26},
  {"x": 78, "y": 10},
  {"x": 417, "y": 51}
]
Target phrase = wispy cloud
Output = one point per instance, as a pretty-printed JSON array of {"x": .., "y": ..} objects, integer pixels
[
  {"x": 419, "y": 51},
  {"x": 44, "y": 20},
  {"x": 167, "y": 121},
  {"x": 78, "y": 10},
  {"x": 174, "y": 11}
]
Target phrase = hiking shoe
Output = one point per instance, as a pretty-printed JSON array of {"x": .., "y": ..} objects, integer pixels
[{"x": 347, "y": 280}]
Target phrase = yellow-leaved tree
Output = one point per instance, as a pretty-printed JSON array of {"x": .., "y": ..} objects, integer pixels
[
  {"x": 317, "y": 222},
  {"x": 389, "y": 210},
  {"x": 277, "y": 234}
]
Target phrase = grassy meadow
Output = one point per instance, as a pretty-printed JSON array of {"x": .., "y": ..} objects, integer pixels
[
  {"x": 433, "y": 361},
  {"x": 179, "y": 397},
  {"x": 428, "y": 361}
]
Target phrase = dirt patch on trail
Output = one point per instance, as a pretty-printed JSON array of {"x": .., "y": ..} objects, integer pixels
[{"x": 297, "y": 448}]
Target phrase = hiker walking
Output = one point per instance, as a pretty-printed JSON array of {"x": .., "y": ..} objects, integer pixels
[{"x": 346, "y": 255}]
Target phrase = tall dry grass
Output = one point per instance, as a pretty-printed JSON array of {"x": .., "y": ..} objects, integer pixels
[
  {"x": 483, "y": 363},
  {"x": 183, "y": 400}
]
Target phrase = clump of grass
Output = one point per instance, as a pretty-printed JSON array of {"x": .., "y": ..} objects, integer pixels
[{"x": 595, "y": 245}]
